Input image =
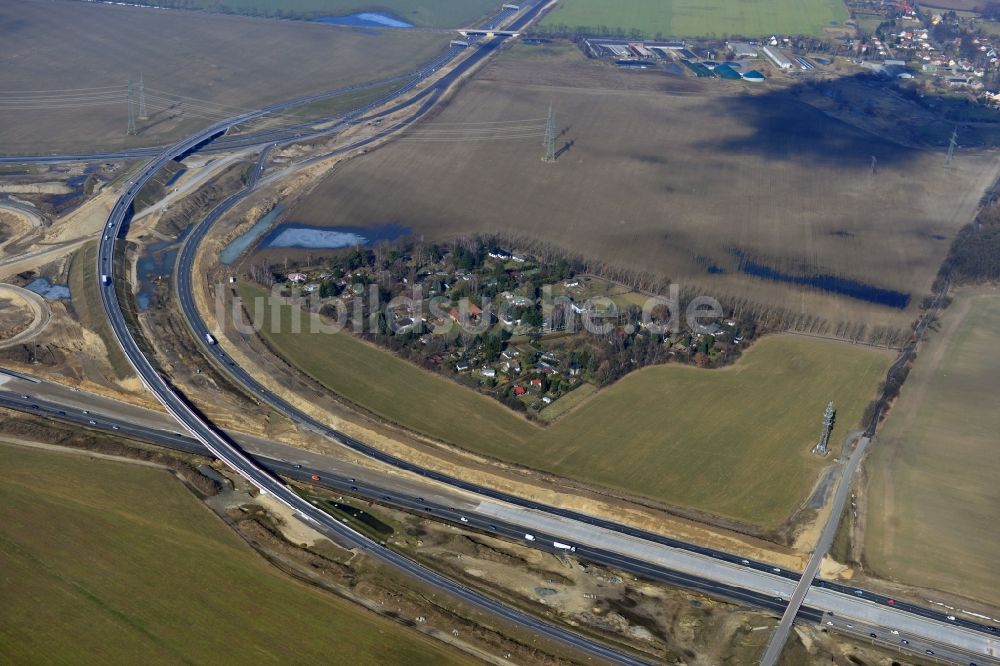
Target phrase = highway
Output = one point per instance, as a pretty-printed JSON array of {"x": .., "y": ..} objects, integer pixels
[
  {"x": 777, "y": 642},
  {"x": 764, "y": 590},
  {"x": 780, "y": 582},
  {"x": 226, "y": 450},
  {"x": 296, "y": 131},
  {"x": 841, "y": 599},
  {"x": 856, "y": 597},
  {"x": 411, "y": 495}
]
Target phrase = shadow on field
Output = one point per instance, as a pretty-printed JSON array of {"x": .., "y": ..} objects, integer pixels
[{"x": 784, "y": 127}]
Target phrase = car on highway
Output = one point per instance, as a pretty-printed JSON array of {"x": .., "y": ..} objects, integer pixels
[
  {"x": 951, "y": 618},
  {"x": 463, "y": 519},
  {"x": 903, "y": 641},
  {"x": 92, "y": 422}
]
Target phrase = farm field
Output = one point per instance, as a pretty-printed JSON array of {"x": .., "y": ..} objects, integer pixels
[
  {"x": 105, "y": 561},
  {"x": 933, "y": 488},
  {"x": 733, "y": 442},
  {"x": 699, "y": 18},
  {"x": 423, "y": 13},
  {"x": 672, "y": 176},
  {"x": 197, "y": 58}
]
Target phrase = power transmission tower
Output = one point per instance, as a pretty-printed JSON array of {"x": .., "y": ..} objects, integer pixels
[
  {"x": 142, "y": 100},
  {"x": 550, "y": 137},
  {"x": 823, "y": 446},
  {"x": 131, "y": 110},
  {"x": 951, "y": 148}
]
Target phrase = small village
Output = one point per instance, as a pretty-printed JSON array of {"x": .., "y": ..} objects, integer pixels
[
  {"x": 527, "y": 332},
  {"x": 947, "y": 51}
]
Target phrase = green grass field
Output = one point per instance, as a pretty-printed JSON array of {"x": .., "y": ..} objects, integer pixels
[
  {"x": 733, "y": 442},
  {"x": 934, "y": 494},
  {"x": 698, "y": 18},
  {"x": 423, "y": 13},
  {"x": 105, "y": 562}
]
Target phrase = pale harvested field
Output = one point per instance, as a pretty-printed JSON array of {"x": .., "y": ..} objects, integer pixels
[
  {"x": 669, "y": 175},
  {"x": 934, "y": 495},
  {"x": 228, "y": 63}
]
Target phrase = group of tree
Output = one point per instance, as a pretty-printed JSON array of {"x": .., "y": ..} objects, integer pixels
[{"x": 974, "y": 256}]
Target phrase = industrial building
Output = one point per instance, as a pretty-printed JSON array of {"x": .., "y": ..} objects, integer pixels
[
  {"x": 743, "y": 49},
  {"x": 777, "y": 57}
]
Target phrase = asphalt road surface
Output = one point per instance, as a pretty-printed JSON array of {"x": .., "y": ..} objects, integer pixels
[
  {"x": 226, "y": 450},
  {"x": 777, "y": 642},
  {"x": 742, "y": 584},
  {"x": 842, "y": 600}
]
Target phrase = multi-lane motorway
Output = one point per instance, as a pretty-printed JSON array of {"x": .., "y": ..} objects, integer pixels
[
  {"x": 226, "y": 450},
  {"x": 595, "y": 539},
  {"x": 762, "y": 589},
  {"x": 858, "y": 602}
]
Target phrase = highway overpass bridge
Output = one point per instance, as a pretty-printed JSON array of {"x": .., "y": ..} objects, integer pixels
[{"x": 487, "y": 34}]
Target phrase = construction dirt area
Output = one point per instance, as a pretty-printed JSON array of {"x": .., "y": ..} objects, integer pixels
[{"x": 729, "y": 193}]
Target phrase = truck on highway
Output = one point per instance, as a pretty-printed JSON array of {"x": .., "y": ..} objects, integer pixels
[
  {"x": 105, "y": 279},
  {"x": 529, "y": 537},
  {"x": 564, "y": 546},
  {"x": 210, "y": 339}
]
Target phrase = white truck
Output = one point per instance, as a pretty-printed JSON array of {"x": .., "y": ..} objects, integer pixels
[
  {"x": 529, "y": 537},
  {"x": 210, "y": 339},
  {"x": 564, "y": 546},
  {"x": 105, "y": 279}
]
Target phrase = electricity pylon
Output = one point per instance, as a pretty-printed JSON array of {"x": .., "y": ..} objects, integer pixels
[
  {"x": 951, "y": 147},
  {"x": 550, "y": 137},
  {"x": 131, "y": 110},
  {"x": 142, "y": 100}
]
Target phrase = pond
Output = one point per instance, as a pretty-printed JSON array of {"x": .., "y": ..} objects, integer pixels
[
  {"x": 295, "y": 235},
  {"x": 156, "y": 261},
  {"x": 47, "y": 290},
  {"x": 240, "y": 244},
  {"x": 365, "y": 20}
]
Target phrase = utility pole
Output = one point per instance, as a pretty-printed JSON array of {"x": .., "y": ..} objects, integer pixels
[
  {"x": 142, "y": 100},
  {"x": 131, "y": 110},
  {"x": 951, "y": 147},
  {"x": 550, "y": 137},
  {"x": 874, "y": 165}
]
